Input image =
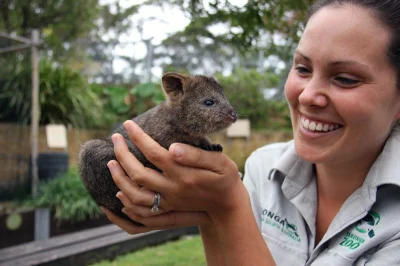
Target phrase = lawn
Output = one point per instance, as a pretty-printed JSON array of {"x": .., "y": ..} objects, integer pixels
[{"x": 184, "y": 252}]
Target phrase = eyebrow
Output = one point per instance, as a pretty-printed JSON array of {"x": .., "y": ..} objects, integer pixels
[{"x": 334, "y": 63}]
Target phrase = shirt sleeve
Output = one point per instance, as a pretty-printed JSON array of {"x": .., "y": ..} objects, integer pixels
[{"x": 251, "y": 182}]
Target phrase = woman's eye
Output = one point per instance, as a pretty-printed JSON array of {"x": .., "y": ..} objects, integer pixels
[
  {"x": 208, "y": 102},
  {"x": 347, "y": 81},
  {"x": 302, "y": 70}
]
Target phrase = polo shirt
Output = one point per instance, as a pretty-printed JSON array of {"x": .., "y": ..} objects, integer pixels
[{"x": 283, "y": 193}]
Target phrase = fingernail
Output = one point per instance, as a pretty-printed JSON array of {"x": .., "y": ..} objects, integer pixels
[
  {"x": 178, "y": 151},
  {"x": 115, "y": 139},
  {"x": 110, "y": 164},
  {"x": 102, "y": 209},
  {"x": 123, "y": 210},
  {"x": 128, "y": 126},
  {"x": 118, "y": 195}
]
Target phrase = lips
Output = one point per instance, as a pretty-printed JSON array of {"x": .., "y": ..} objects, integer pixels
[{"x": 318, "y": 126}]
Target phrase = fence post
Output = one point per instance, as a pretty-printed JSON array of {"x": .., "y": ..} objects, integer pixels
[{"x": 35, "y": 109}]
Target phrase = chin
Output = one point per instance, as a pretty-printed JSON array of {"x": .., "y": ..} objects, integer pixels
[{"x": 310, "y": 153}]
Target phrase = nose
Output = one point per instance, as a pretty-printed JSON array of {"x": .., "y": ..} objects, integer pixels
[
  {"x": 314, "y": 94},
  {"x": 233, "y": 115}
]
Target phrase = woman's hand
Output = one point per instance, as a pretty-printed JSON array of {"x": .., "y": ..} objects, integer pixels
[
  {"x": 136, "y": 203},
  {"x": 192, "y": 179},
  {"x": 194, "y": 182}
]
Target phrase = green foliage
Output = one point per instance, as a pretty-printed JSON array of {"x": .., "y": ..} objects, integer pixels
[
  {"x": 146, "y": 96},
  {"x": 121, "y": 103},
  {"x": 279, "y": 115},
  {"x": 115, "y": 104},
  {"x": 60, "y": 22},
  {"x": 65, "y": 96},
  {"x": 273, "y": 27},
  {"x": 67, "y": 196},
  {"x": 243, "y": 89},
  {"x": 184, "y": 252}
]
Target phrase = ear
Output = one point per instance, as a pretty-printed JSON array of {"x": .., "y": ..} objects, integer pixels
[{"x": 174, "y": 83}]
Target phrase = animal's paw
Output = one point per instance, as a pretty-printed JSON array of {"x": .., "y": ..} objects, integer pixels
[
  {"x": 217, "y": 147},
  {"x": 211, "y": 147}
]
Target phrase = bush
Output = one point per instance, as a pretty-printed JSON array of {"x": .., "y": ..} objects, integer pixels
[
  {"x": 67, "y": 196},
  {"x": 64, "y": 96},
  {"x": 121, "y": 102},
  {"x": 279, "y": 115}
]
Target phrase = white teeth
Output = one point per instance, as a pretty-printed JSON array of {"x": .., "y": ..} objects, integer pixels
[{"x": 313, "y": 126}]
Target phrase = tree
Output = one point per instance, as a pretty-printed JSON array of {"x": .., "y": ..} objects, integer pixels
[
  {"x": 252, "y": 33},
  {"x": 60, "y": 22}
]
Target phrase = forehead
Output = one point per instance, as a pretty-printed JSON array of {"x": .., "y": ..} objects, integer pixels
[
  {"x": 200, "y": 85},
  {"x": 346, "y": 32}
]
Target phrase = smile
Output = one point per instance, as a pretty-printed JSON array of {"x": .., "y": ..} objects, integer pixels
[{"x": 318, "y": 126}]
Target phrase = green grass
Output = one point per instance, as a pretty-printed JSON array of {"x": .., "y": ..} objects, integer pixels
[{"x": 184, "y": 252}]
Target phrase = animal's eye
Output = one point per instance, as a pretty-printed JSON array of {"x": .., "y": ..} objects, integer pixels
[{"x": 208, "y": 102}]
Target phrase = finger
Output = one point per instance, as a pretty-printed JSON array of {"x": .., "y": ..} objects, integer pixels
[
  {"x": 141, "y": 211},
  {"x": 155, "y": 153},
  {"x": 125, "y": 157},
  {"x": 194, "y": 157},
  {"x": 173, "y": 219},
  {"x": 141, "y": 175},
  {"x": 119, "y": 176},
  {"x": 131, "y": 207},
  {"x": 126, "y": 225},
  {"x": 130, "y": 191}
]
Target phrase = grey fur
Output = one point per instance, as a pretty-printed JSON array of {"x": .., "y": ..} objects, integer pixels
[{"x": 183, "y": 118}]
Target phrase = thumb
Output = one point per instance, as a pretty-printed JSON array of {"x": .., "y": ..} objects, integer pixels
[{"x": 194, "y": 157}]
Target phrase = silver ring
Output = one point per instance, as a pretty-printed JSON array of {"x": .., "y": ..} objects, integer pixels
[{"x": 156, "y": 204}]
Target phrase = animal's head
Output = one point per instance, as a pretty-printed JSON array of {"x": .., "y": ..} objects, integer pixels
[{"x": 199, "y": 102}]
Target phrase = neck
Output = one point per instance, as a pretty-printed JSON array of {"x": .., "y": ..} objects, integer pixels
[{"x": 336, "y": 183}]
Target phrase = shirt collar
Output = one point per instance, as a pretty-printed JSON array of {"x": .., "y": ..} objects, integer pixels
[
  {"x": 385, "y": 170},
  {"x": 295, "y": 171}
]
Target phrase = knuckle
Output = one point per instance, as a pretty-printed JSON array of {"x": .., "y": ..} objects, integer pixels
[
  {"x": 154, "y": 156},
  {"x": 197, "y": 157},
  {"x": 228, "y": 164},
  {"x": 188, "y": 182},
  {"x": 139, "y": 201},
  {"x": 139, "y": 178},
  {"x": 119, "y": 155}
]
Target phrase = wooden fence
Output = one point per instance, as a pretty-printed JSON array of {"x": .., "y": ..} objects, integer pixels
[{"x": 15, "y": 148}]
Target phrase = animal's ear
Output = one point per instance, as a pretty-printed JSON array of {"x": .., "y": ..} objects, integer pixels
[{"x": 174, "y": 83}]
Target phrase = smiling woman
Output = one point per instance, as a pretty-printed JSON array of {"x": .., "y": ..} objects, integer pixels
[{"x": 329, "y": 197}]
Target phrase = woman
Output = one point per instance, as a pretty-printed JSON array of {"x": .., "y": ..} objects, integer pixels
[{"x": 329, "y": 197}]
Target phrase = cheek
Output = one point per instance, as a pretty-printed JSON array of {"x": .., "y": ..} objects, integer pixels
[{"x": 292, "y": 88}]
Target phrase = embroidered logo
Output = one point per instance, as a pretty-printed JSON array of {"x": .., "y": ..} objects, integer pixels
[
  {"x": 367, "y": 224},
  {"x": 364, "y": 227},
  {"x": 280, "y": 223}
]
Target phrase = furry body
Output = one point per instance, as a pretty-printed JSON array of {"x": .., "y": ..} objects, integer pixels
[{"x": 195, "y": 106}]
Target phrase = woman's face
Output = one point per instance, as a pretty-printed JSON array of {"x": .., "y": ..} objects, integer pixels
[{"x": 342, "y": 88}]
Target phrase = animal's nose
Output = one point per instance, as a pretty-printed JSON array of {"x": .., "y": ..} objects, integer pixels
[{"x": 233, "y": 115}]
